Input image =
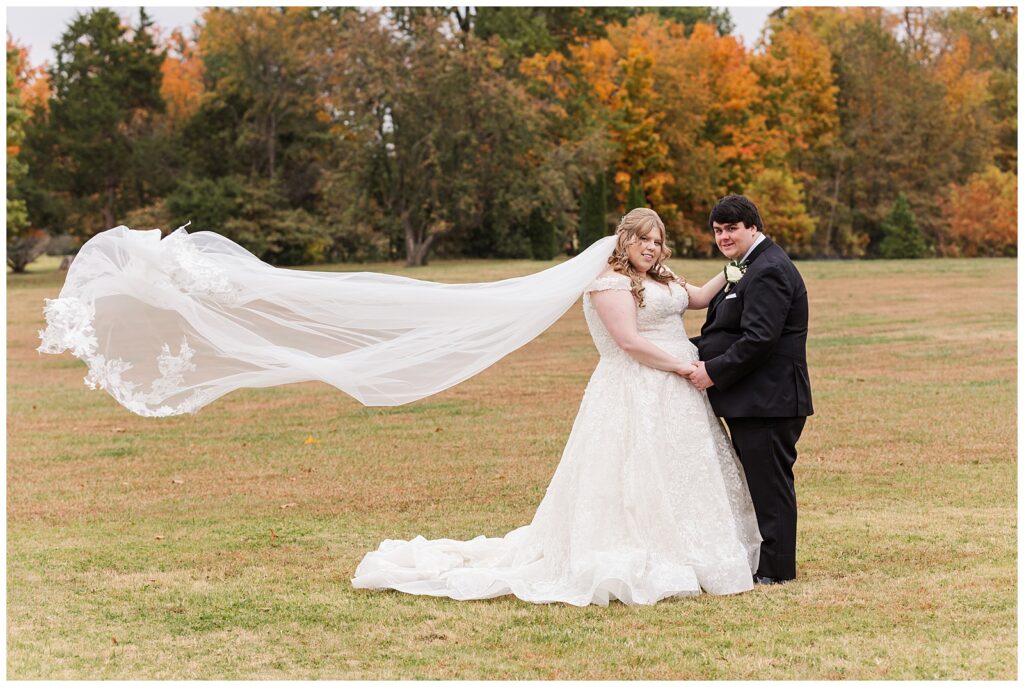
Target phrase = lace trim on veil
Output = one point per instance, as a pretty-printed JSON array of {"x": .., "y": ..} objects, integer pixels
[
  {"x": 191, "y": 317},
  {"x": 69, "y": 328}
]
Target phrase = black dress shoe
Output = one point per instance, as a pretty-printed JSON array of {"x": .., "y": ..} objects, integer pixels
[{"x": 763, "y": 579}]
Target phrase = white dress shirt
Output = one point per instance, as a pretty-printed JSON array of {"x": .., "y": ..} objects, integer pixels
[{"x": 759, "y": 239}]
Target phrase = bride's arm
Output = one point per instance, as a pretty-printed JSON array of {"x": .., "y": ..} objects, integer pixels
[
  {"x": 617, "y": 311},
  {"x": 700, "y": 296}
]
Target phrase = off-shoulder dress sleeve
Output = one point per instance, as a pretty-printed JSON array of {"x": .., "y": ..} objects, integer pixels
[{"x": 611, "y": 281}]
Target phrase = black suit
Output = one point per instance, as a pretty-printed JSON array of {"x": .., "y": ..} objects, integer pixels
[{"x": 754, "y": 346}]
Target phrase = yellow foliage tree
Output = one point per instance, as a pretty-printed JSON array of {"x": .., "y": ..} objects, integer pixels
[
  {"x": 779, "y": 198},
  {"x": 798, "y": 96},
  {"x": 272, "y": 59}
]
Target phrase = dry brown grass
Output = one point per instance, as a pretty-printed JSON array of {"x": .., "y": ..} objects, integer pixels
[{"x": 220, "y": 545}]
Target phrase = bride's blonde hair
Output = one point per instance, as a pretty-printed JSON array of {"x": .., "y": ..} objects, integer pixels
[{"x": 634, "y": 224}]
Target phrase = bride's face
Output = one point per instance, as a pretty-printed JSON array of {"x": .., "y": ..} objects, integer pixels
[{"x": 647, "y": 250}]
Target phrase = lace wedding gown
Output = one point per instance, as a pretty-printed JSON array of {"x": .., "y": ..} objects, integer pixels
[{"x": 648, "y": 502}]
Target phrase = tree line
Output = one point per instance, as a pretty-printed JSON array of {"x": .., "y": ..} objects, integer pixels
[{"x": 341, "y": 134}]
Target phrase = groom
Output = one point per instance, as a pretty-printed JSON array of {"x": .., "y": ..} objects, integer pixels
[{"x": 753, "y": 352}]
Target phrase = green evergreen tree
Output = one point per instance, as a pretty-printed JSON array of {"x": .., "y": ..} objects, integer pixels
[
  {"x": 23, "y": 244},
  {"x": 208, "y": 203},
  {"x": 902, "y": 238},
  {"x": 593, "y": 211},
  {"x": 105, "y": 84},
  {"x": 635, "y": 198},
  {"x": 541, "y": 234},
  {"x": 17, "y": 170}
]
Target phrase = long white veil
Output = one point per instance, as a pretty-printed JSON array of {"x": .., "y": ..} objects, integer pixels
[{"x": 167, "y": 326}]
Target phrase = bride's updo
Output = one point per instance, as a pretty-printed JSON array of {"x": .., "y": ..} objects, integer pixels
[{"x": 632, "y": 226}]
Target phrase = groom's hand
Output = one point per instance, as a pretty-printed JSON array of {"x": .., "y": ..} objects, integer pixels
[{"x": 699, "y": 377}]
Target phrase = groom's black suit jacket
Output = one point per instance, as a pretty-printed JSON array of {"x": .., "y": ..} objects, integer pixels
[{"x": 754, "y": 341}]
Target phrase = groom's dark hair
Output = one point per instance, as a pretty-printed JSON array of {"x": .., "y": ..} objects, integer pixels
[{"x": 734, "y": 208}]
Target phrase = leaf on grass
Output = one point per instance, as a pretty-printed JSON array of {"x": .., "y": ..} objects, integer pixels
[
  {"x": 310, "y": 440},
  {"x": 114, "y": 640},
  {"x": 289, "y": 505},
  {"x": 432, "y": 636},
  {"x": 273, "y": 535}
]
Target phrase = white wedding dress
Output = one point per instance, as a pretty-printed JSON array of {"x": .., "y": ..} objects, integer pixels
[{"x": 648, "y": 502}]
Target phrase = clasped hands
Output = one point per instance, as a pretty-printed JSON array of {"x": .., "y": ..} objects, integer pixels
[{"x": 696, "y": 373}]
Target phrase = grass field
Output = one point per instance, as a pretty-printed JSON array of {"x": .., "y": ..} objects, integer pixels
[{"x": 221, "y": 545}]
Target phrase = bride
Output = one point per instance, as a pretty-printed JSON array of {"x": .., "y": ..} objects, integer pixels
[{"x": 649, "y": 500}]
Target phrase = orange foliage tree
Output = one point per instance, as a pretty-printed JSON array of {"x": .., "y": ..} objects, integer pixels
[
  {"x": 802, "y": 124},
  {"x": 975, "y": 58},
  {"x": 679, "y": 111},
  {"x": 32, "y": 83},
  {"x": 182, "y": 84},
  {"x": 982, "y": 216}
]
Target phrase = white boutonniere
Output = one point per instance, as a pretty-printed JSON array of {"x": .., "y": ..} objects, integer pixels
[{"x": 734, "y": 271}]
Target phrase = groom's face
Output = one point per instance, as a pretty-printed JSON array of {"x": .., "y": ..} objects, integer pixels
[{"x": 734, "y": 238}]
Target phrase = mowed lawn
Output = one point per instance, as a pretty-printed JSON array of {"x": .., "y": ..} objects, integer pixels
[{"x": 221, "y": 545}]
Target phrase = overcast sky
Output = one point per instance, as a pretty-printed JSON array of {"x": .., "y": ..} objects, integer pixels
[{"x": 40, "y": 27}]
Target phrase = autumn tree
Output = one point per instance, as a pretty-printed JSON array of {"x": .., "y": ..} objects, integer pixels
[
  {"x": 245, "y": 109},
  {"x": 779, "y": 198},
  {"x": 31, "y": 81},
  {"x": 526, "y": 31},
  {"x": 798, "y": 103},
  {"x": 981, "y": 216},
  {"x": 891, "y": 137},
  {"x": 433, "y": 136},
  {"x": 260, "y": 66},
  {"x": 967, "y": 51},
  {"x": 181, "y": 85},
  {"x": 678, "y": 107}
]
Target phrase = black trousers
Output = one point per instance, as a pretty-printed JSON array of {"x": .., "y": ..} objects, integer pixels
[{"x": 767, "y": 450}]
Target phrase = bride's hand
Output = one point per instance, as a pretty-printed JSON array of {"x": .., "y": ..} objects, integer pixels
[{"x": 684, "y": 369}]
